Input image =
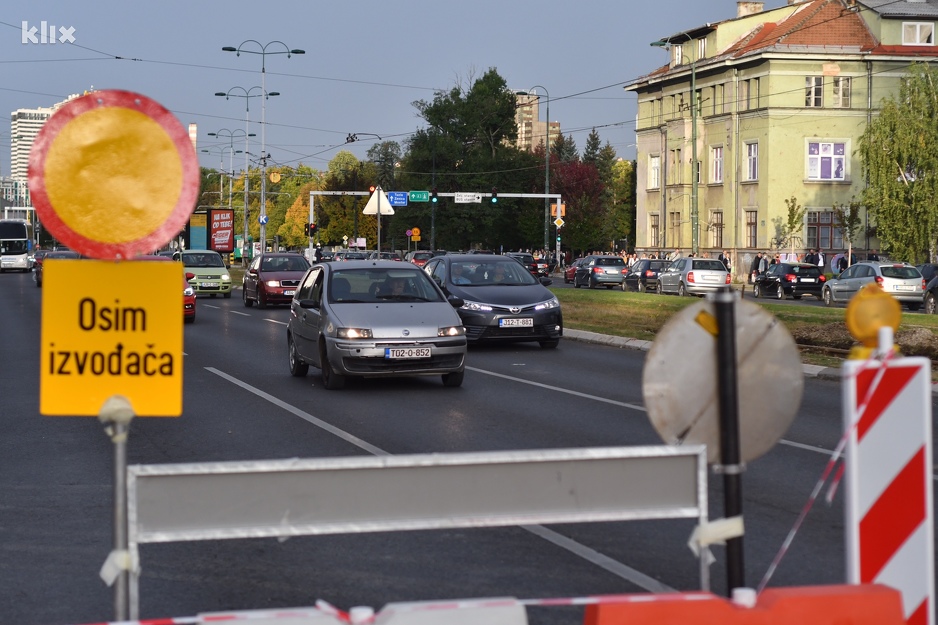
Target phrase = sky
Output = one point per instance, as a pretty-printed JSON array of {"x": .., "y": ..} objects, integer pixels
[{"x": 364, "y": 66}]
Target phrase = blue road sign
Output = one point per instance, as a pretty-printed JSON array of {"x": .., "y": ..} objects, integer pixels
[
  {"x": 262, "y": 219},
  {"x": 397, "y": 198}
]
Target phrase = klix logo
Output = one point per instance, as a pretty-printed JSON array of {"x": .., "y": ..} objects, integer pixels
[{"x": 46, "y": 33}]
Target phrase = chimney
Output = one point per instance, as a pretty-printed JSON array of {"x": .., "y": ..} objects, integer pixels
[{"x": 744, "y": 7}]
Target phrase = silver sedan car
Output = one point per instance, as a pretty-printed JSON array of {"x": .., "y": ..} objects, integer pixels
[
  {"x": 374, "y": 319},
  {"x": 693, "y": 276},
  {"x": 901, "y": 280}
]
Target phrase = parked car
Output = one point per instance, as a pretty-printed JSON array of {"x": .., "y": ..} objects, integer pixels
[
  {"x": 418, "y": 258},
  {"x": 374, "y": 319},
  {"x": 272, "y": 279},
  {"x": 901, "y": 280},
  {"x": 928, "y": 271},
  {"x": 693, "y": 276},
  {"x": 607, "y": 271},
  {"x": 930, "y": 299},
  {"x": 209, "y": 273},
  {"x": 63, "y": 254},
  {"x": 793, "y": 280},
  {"x": 643, "y": 274},
  {"x": 345, "y": 255},
  {"x": 502, "y": 301},
  {"x": 188, "y": 293},
  {"x": 385, "y": 256},
  {"x": 570, "y": 270}
]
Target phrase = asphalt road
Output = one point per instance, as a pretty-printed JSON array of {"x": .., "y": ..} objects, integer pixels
[{"x": 240, "y": 403}]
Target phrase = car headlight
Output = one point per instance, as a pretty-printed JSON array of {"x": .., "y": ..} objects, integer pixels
[
  {"x": 273, "y": 283},
  {"x": 476, "y": 306},
  {"x": 226, "y": 277},
  {"x": 451, "y": 331},
  {"x": 353, "y": 333},
  {"x": 188, "y": 291},
  {"x": 551, "y": 303}
]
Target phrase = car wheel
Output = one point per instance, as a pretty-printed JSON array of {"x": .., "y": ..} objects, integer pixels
[
  {"x": 930, "y": 303},
  {"x": 453, "y": 379},
  {"x": 914, "y": 307},
  {"x": 261, "y": 299},
  {"x": 796, "y": 297},
  {"x": 681, "y": 290},
  {"x": 641, "y": 287},
  {"x": 552, "y": 344},
  {"x": 756, "y": 291},
  {"x": 228, "y": 295},
  {"x": 576, "y": 284},
  {"x": 658, "y": 288},
  {"x": 828, "y": 297},
  {"x": 780, "y": 292},
  {"x": 298, "y": 368},
  {"x": 330, "y": 379},
  {"x": 244, "y": 296}
]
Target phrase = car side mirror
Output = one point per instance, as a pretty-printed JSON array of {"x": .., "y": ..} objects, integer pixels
[
  {"x": 456, "y": 302},
  {"x": 308, "y": 303},
  {"x": 545, "y": 281}
]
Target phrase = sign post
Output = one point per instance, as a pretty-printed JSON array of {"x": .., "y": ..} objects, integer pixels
[{"x": 112, "y": 331}]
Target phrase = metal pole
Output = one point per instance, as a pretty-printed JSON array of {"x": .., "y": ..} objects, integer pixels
[
  {"x": 731, "y": 466},
  {"x": 263, "y": 217},
  {"x": 378, "y": 192},
  {"x": 247, "y": 178},
  {"x": 694, "y": 215}
]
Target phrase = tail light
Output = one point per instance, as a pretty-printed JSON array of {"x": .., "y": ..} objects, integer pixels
[
  {"x": 649, "y": 273},
  {"x": 625, "y": 270},
  {"x": 690, "y": 276},
  {"x": 923, "y": 284},
  {"x": 790, "y": 277},
  {"x": 822, "y": 278},
  {"x": 879, "y": 281},
  {"x": 727, "y": 278},
  {"x": 597, "y": 269}
]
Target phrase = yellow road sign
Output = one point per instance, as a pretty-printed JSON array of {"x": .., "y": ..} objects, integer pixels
[
  {"x": 558, "y": 222},
  {"x": 553, "y": 210},
  {"x": 111, "y": 329},
  {"x": 415, "y": 232}
]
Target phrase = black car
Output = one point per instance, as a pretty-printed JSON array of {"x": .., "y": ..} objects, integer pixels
[
  {"x": 525, "y": 259},
  {"x": 502, "y": 301},
  {"x": 643, "y": 274},
  {"x": 783, "y": 280},
  {"x": 930, "y": 299}
]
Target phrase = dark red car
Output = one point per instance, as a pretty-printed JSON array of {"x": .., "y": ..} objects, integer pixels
[{"x": 273, "y": 278}]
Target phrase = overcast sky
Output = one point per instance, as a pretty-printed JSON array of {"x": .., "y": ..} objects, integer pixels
[{"x": 366, "y": 62}]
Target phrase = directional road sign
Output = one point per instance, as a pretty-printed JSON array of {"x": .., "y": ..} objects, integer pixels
[
  {"x": 262, "y": 219},
  {"x": 397, "y": 198},
  {"x": 419, "y": 196},
  {"x": 467, "y": 198}
]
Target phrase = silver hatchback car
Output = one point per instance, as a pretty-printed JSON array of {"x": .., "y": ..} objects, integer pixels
[
  {"x": 693, "y": 276},
  {"x": 901, "y": 280}
]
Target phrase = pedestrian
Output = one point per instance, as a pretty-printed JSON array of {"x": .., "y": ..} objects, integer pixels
[
  {"x": 842, "y": 263},
  {"x": 820, "y": 260},
  {"x": 764, "y": 263},
  {"x": 873, "y": 256},
  {"x": 811, "y": 257},
  {"x": 754, "y": 267}
]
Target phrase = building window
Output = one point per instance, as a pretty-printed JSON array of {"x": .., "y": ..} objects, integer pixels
[
  {"x": 716, "y": 164},
  {"x": 743, "y": 96},
  {"x": 813, "y": 91},
  {"x": 918, "y": 33},
  {"x": 841, "y": 92},
  {"x": 718, "y": 99},
  {"x": 824, "y": 231},
  {"x": 654, "y": 231},
  {"x": 654, "y": 172},
  {"x": 675, "y": 171},
  {"x": 701, "y": 48},
  {"x": 674, "y": 229},
  {"x": 752, "y": 161},
  {"x": 716, "y": 229},
  {"x": 751, "y": 228},
  {"x": 827, "y": 160},
  {"x": 677, "y": 55}
]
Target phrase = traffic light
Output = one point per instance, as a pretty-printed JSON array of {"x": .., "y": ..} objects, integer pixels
[
  {"x": 433, "y": 196},
  {"x": 558, "y": 238},
  {"x": 371, "y": 189},
  {"x": 311, "y": 229},
  {"x": 494, "y": 195}
]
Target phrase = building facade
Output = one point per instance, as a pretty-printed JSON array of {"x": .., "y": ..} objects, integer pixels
[
  {"x": 531, "y": 131},
  {"x": 765, "y": 107}
]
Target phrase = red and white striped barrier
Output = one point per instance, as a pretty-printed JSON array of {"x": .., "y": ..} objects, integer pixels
[{"x": 889, "y": 528}]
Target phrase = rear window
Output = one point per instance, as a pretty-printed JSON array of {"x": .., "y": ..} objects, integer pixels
[
  {"x": 805, "y": 270},
  {"x": 659, "y": 265},
  {"x": 901, "y": 272},
  {"x": 612, "y": 260},
  {"x": 708, "y": 264}
]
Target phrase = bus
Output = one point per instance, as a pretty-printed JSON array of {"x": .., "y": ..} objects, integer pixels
[{"x": 16, "y": 243}]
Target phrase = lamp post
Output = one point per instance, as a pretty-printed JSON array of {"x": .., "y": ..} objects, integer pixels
[
  {"x": 247, "y": 94},
  {"x": 221, "y": 170},
  {"x": 231, "y": 136},
  {"x": 263, "y": 52},
  {"x": 546, "y": 164},
  {"x": 695, "y": 173}
]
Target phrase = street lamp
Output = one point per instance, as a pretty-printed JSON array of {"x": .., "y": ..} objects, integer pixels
[
  {"x": 546, "y": 164},
  {"x": 695, "y": 171},
  {"x": 221, "y": 170},
  {"x": 231, "y": 136},
  {"x": 263, "y": 52}
]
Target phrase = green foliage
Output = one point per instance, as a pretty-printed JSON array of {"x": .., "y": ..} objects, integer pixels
[
  {"x": 791, "y": 225},
  {"x": 564, "y": 149},
  {"x": 849, "y": 217},
  {"x": 899, "y": 152}
]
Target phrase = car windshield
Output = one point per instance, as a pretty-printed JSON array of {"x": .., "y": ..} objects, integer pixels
[
  {"x": 505, "y": 273},
  {"x": 195, "y": 259},
  {"x": 708, "y": 264},
  {"x": 373, "y": 285},
  {"x": 284, "y": 263},
  {"x": 901, "y": 272}
]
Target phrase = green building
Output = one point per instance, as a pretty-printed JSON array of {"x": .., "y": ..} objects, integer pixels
[{"x": 770, "y": 105}]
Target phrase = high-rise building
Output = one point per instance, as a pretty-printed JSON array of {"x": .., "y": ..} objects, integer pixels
[{"x": 531, "y": 131}]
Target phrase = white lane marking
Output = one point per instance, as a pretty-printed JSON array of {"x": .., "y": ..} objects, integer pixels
[
  {"x": 616, "y": 568},
  {"x": 560, "y": 390},
  {"x": 283, "y": 323},
  {"x": 212, "y": 306},
  {"x": 238, "y": 312}
]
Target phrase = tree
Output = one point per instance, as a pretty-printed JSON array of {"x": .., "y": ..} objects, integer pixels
[
  {"x": 848, "y": 215},
  {"x": 787, "y": 228},
  {"x": 899, "y": 155},
  {"x": 564, "y": 148},
  {"x": 591, "y": 151}
]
